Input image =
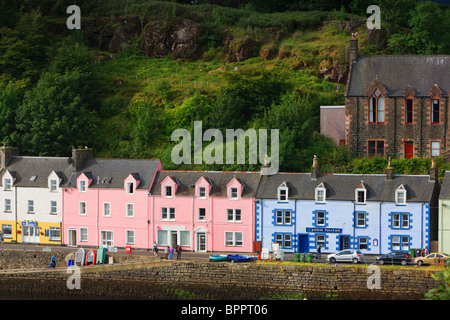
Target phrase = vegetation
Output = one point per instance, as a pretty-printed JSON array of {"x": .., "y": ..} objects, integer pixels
[{"x": 58, "y": 89}]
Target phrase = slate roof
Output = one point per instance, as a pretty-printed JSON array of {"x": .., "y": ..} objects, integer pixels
[
  {"x": 24, "y": 168},
  {"x": 396, "y": 72},
  {"x": 111, "y": 173},
  {"x": 445, "y": 188},
  {"x": 219, "y": 180},
  {"x": 342, "y": 186}
]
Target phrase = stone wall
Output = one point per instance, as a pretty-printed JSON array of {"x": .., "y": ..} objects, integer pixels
[{"x": 221, "y": 280}]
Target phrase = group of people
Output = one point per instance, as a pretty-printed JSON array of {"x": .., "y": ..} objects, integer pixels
[{"x": 168, "y": 251}]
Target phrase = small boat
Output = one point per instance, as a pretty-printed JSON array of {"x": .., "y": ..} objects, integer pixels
[
  {"x": 100, "y": 256},
  {"x": 90, "y": 257},
  {"x": 240, "y": 258},
  {"x": 218, "y": 257},
  {"x": 79, "y": 256}
]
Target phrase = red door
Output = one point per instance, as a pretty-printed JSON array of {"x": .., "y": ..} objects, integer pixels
[{"x": 409, "y": 149}]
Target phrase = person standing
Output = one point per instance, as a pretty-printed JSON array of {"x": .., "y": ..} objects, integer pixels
[
  {"x": 155, "y": 249},
  {"x": 178, "y": 252},
  {"x": 166, "y": 252},
  {"x": 171, "y": 250},
  {"x": 319, "y": 250}
]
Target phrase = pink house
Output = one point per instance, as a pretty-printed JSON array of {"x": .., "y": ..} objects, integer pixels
[
  {"x": 106, "y": 202},
  {"x": 204, "y": 211}
]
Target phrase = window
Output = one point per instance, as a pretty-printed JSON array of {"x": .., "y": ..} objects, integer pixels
[
  {"x": 106, "y": 209},
  {"x": 201, "y": 192},
  {"x": 30, "y": 206},
  {"x": 167, "y": 213},
  {"x": 162, "y": 237},
  {"x": 83, "y": 234},
  {"x": 53, "y": 207},
  {"x": 130, "y": 187},
  {"x": 400, "y": 243},
  {"x": 320, "y": 218},
  {"x": 360, "y": 195},
  {"x": 282, "y": 194},
  {"x": 435, "y": 149},
  {"x": 400, "y": 220},
  {"x": 185, "y": 238},
  {"x": 320, "y": 193},
  {"x": 435, "y": 111},
  {"x": 233, "y": 239},
  {"x": 233, "y": 215},
  {"x": 361, "y": 219},
  {"x": 7, "y": 205},
  {"x": 362, "y": 243},
  {"x": 7, "y": 184},
  {"x": 130, "y": 210},
  {"x": 409, "y": 111},
  {"x": 82, "y": 208},
  {"x": 283, "y": 217},
  {"x": 82, "y": 185},
  {"x": 55, "y": 234},
  {"x": 202, "y": 214},
  {"x": 283, "y": 239},
  {"x": 376, "y": 148},
  {"x": 168, "y": 191},
  {"x": 400, "y": 195},
  {"x": 320, "y": 240},
  {"x": 107, "y": 238},
  {"x": 234, "y": 193},
  {"x": 53, "y": 185},
  {"x": 376, "y": 107},
  {"x": 130, "y": 236}
]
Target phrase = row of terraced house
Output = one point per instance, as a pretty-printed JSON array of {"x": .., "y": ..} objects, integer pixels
[{"x": 85, "y": 201}]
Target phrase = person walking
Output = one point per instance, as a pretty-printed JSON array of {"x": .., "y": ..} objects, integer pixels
[
  {"x": 155, "y": 249},
  {"x": 319, "y": 250},
  {"x": 178, "y": 252},
  {"x": 166, "y": 252},
  {"x": 426, "y": 251}
]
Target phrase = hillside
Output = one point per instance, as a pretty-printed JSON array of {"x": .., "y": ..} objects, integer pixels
[{"x": 138, "y": 70}]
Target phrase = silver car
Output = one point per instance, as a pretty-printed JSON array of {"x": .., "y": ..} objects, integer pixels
[{"x": 348, "y": 255}]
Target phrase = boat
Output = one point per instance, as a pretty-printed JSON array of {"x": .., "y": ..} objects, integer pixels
[
  {"x": 218, "y": 257},
  {"x": 240, "y": 258},
  {"x": 100, "y": 256},
  {"x": 79, "y": 256},
  {"x": 90, "y": 257}
]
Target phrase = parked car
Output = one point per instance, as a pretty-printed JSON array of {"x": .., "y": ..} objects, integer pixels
[
  {"x": 348, "y": 255},
  {"x": 395, "y": 257},
  {"x": 429, "y": 259}
]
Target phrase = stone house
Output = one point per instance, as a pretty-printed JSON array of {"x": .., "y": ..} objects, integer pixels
[{"x": 397, "y": 105}]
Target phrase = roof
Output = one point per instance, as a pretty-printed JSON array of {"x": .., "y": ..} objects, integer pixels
[
  {"x": 111, "y": 173},
  {"x": 396, "y": 72},
  {"x": 218, "y": 180},
  {"x": 34, "y": 171},
  {"x": 445, "y": 188},
  {"x": 342, "y": 186}
]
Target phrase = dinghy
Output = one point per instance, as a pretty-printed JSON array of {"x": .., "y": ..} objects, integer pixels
[
  {"x": 90, "y": 257},
  {"x": 79, "y": 256},
  {"x": 239, "y": 258},
  {"x": 100, "y": 256},
  {"x": 218, "y": 257}
]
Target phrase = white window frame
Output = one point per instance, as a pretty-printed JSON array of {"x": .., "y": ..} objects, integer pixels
[
  {"x": 320, "y": 218},
  {"x": 102, "y": 239},
  {"x": 234, "y": 240},
  {"x": 83, "y": 234},
  {"x": 200, "y": 218},
  {"x": 7, "y": 184},
  {"x": 235, "y": 216},
  {"x": 357, "y": 192},
  {"x": 4, "y": 234},
  {"x": 166, "y": 216},
  {"x": 200, "y": 191},
  {"x": 8, "y": 207},
  {"x": 318, "y": 190},
  {"x": 30, "y": 205},
  {"x": 53, "y": 205},
  {"x": 130, "y": 210},
  {"x": 399, "y": 190},
  {"x": 435, "y": 152},
  {"x": 83, "y": 184},
  {"x": 52, "y": 237},
  {"x": 129, "y": 235},
  {"x": 231, "y": 193},
  {"x": 363, "y": 219},
  {"x": 130, "y": 187},
  {"x": 281, "y": 196},
  {"x": 106, "y": 209},
  {"x": 53, "y": 185},
  {"x": 82, "y": 208}
]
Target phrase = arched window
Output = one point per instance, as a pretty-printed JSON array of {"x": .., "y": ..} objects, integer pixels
[{"x": 376, "y": 107}]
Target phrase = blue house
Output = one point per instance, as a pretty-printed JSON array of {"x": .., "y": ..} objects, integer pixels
[{"x": 375, "y": 213}]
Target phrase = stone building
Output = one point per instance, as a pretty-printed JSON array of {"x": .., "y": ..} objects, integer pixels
[{"x": 397, "y": 105}]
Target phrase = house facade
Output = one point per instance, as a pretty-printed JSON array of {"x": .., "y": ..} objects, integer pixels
[
  {"x": 204, "y": 211},
  {"x": 106, "y": 203},
  {"x": 31, "y": 197},
  {"x": 444, "y": 212},
  {"x": 397, "y": 105},
  {"x": 373, "y": 213}
]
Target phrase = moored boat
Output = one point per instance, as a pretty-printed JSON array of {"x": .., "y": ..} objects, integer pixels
[
  {"x": 240, "y": 258},
  {"x": 218, "y": 257},
  {"x": 90, "y": 257},
  {"x": 79, "y": 256}
]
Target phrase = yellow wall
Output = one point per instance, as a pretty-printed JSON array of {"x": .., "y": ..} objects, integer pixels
[{"x": 43, "y": 239}]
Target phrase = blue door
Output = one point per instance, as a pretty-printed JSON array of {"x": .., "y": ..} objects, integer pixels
[{"x": 303, "y": 243}]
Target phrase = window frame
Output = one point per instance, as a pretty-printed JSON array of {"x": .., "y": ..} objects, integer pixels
[
  {"x": 409, "y": 114},
  {"x": 434, "y": 112},
  {"x": 376, "y": 148},
  {"x": 374, "y": 107}
]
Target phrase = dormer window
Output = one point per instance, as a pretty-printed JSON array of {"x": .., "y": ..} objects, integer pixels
[
  {"x": 360, "y": 194},
  {"x": 130, "y": 187},
  {"x": 7, "y": 184},
  {"x": 283, "y": 192},
  {"x": 376, "y": 107},
  {"x": 400, "y": 195},
  {"x": 82, "y": 185},
  {"x": 202, "y": 192},
  {"x": 168, "y": 191},
  {"x": 53, "y": 185},
  {"x": 233, "y": 193},
  {"x": 320, "y": 193}
]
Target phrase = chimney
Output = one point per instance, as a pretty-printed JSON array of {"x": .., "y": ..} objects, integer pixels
[
  {"x": 433, "y": 170},
  {"x": 389, "y": 171},
  {"x": 353, "y": 48},
  {"x": 79, "y": 156},
  {"x": 266, "y": 169},
  {"x": 315, "y": 172},
  {"x": 6, "y": 153}
]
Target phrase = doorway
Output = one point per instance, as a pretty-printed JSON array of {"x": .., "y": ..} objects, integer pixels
[
  {"x": 303, "y": 243},
  {"x": 200, "y": 242},
  {"x": 30, "y": 233},
  {"x": 409, "y": 149},
  {"x": 173, "y": 238},
  {"x": 344, "y": 242},
  {"x": 72, "y": 238}
]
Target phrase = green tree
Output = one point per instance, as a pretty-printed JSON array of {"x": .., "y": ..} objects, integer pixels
[
  {"x": 10, "y": 99},
  {"x": 442, "y": 292}
]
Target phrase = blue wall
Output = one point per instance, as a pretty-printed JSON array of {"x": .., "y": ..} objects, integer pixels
[{"x": 335, "y": 224}]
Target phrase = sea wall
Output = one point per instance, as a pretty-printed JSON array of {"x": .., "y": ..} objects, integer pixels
[{"x": 220, "y": 280}]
